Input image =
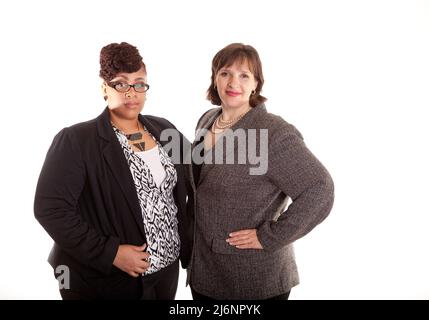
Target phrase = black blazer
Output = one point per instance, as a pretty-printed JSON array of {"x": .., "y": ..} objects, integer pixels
[{"x": 87, "y": 202}]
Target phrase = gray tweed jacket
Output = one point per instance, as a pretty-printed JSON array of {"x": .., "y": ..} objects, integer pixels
[{"x": 227, "y": 198}]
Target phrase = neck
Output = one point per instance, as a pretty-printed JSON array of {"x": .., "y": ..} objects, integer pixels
[
  {"x": 229, "y": 113},
  {"x": 125, "y": 125}
]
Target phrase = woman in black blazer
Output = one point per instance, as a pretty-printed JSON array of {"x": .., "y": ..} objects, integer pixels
[{"x": 111, "y": 197}]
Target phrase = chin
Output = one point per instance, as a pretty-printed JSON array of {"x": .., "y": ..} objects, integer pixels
[
  {"x": 126, "y": 113},
  {"x": 235, "y": 104}
]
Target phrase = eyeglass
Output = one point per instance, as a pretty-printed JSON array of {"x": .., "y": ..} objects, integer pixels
[{"x": 125, "y": 87}]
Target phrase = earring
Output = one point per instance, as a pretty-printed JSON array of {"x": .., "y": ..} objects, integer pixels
[{"x": 253, "y": 92}]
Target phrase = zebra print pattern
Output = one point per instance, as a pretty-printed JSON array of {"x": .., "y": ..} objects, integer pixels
[{"x": 159, "y": 211}]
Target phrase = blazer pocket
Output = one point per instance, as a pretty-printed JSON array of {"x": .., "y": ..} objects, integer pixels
[{"x": 223, "y": 247}]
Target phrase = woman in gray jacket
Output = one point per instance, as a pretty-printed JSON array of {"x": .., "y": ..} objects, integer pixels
[{"x": 247, "y": 164}]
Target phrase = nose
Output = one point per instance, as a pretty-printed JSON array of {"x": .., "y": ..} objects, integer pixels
[
  {"x": 131, "y": 92},
  {"x": 233, "y": 82}
]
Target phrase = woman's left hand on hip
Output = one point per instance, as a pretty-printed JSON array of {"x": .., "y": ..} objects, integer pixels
[{"x": 244, "y": 239}]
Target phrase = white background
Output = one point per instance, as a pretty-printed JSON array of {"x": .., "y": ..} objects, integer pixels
[{"x": 352, "y": 76}]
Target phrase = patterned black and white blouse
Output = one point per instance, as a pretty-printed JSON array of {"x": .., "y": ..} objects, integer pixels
[{"x": 159, "y": 211}]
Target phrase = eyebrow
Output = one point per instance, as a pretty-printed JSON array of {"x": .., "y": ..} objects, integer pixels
[
  {"x": 126, "y": 78},
  {"x": 228, "y": 69}
]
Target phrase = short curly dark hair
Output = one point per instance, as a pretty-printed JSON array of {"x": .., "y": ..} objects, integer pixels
[{"x": 119, "y": 57}]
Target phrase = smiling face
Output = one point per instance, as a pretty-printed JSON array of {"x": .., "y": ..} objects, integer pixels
[
  {"x": 235, "y": 84},
  {"x": 126, "y": 105}
]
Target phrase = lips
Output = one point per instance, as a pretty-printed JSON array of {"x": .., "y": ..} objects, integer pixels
[
  {"x": 233, "y": 93},
  {"x": 131, "y": 105}
]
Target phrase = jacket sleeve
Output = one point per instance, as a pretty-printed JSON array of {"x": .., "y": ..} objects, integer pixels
[
  {"x": 299, "y": 174},
  {"x": 60, "y": 185}
]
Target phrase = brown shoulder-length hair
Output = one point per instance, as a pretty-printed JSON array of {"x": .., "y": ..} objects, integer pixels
[{"x": 237, "y": 52}]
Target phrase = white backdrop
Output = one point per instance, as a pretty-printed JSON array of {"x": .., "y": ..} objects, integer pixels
[{"x": 352, "y": 76}]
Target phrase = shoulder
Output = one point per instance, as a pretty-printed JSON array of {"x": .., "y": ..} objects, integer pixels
[
  {"x": 160, "y": 122},
  {"x": 283, "y": 127},
  {"x": 69, "y": 140},
  {"x": 80, "y": 131},
  {"x": 277, "y": 126},
  {"x": 206, "y": 115},
  {"x": 83, "y": 127},
  {"x": 161, "y": 126},
  {"x": 285, "y": 141}
]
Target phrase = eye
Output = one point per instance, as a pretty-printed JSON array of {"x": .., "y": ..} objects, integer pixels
[
  {"x": 223, "y": 73},
  {"x": 244, "y": 75},
  {"x": 139, "y": 85},
  {"x": 121, "y": 85}
]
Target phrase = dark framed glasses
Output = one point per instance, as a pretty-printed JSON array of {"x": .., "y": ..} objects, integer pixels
[{"x": 125, "y": 87}]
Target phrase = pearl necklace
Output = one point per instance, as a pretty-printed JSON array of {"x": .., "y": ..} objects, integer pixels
[{"x": 216, "y": 124}]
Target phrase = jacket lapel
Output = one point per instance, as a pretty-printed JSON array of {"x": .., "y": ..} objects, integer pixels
[
  {"x": 155, "y": 131},
  {"x": 115, "y": 158},
  {"x": 204, "y": 124}
]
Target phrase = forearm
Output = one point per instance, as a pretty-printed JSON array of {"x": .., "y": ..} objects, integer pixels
[
  {"x": 60, "y": 186},
  {"x": 75, "y": 236},
  {"x": 300, "y": 175},
  {"x": 305, "y": 213}
]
